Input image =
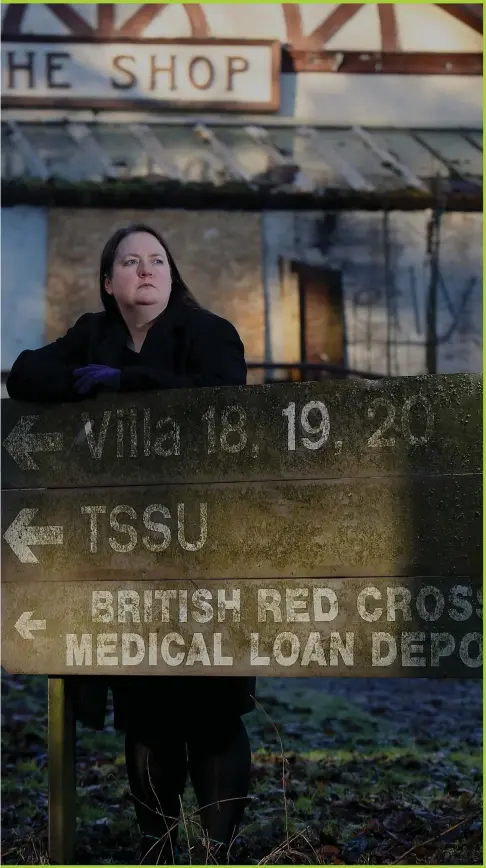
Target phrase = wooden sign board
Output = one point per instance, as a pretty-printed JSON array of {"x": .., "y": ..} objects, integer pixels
[
  {"x": 153, "y": 74},
  {"x": 404, "y": 426},
  {"x": 360, "y": 494},
  {"x": 377, "y": 627},
  {"x": 367, "y": 527}
]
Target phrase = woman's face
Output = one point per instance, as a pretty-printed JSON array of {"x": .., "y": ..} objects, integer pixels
[{"x": 140, "y": 280}]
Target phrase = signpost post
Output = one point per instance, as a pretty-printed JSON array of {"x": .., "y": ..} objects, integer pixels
[
  {"x": 61, "y": 771},
  {"x": 304, "y": 529}
]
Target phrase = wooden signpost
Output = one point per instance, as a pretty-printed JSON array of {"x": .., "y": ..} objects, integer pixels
[{"x": 306, "y": 529}]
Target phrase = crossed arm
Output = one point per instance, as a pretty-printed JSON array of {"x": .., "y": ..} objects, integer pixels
[{"x": 216, "y": 358}]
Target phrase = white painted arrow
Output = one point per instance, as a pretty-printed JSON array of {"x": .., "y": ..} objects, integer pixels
[
  {"x": 20, "y": 535},
  {"x": 20, "y": 443},
  {"x": 24, "y": 625}
]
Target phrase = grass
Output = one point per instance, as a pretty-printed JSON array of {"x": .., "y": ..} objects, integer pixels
[{"x": 332, "y": 783}]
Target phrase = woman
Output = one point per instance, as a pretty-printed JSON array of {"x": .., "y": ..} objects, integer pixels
[{"x": 153, "y": 334}]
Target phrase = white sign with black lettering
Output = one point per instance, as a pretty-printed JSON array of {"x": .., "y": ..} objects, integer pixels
[{"x": 189, "y": 72}]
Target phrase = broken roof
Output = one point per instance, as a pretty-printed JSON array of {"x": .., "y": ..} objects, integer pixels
[{"x": 281, "y": 157}]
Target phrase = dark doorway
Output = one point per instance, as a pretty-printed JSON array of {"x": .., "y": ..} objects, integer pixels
[{"x": 322, "y": 332}]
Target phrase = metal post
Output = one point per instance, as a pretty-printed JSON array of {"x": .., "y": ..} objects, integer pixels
[
  {"x": 431, "y": 320},
  {"x": 388, "y": 292},
  {"x": 62, "y": 771},
  {"x": 432, "y": 299}
]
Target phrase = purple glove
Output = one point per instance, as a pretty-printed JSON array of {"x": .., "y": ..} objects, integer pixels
[{"x": 95, "y": 376}]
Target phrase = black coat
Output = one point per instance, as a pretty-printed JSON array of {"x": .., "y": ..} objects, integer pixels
[{"x": 185, "y": 348}]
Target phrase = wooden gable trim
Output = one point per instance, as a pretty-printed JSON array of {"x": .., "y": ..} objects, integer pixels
[
  {"x": 12, "y": 20},
  {"x": 331, "y": 25},
  {"x": 388, "y": 27},
  {"x": 302, "y": 53},
  {"x": 134, "y": 27},
  {"x": 381, "y": 63},
  {"x": 293, "y": 23},
  {"x": 197, "y": 19},
  {"x": 470, "y": 14},
  {"x": 106, "y": 19},
  {"x": 70, "y": 18},
  {"x": 140, "y": 20}
]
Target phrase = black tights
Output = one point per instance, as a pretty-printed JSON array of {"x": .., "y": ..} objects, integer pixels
[{"x": 218, "y": 759}]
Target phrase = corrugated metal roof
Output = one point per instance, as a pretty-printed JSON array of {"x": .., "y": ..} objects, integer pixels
[{"x": 260, "y": 155}]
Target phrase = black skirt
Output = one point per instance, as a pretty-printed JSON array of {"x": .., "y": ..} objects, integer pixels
[{"x": 141, "y": 703}]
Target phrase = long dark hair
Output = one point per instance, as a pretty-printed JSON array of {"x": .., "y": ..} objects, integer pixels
[{"x": 180, "y": 291}]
